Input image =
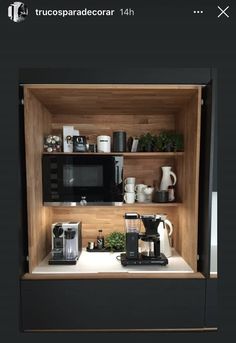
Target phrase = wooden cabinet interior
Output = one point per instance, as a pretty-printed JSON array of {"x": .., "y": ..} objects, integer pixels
[{"x": 102, "y": 109}]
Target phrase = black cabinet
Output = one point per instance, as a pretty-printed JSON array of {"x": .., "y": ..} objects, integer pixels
[
  {"x": 211, "y": 319},
  {"x": 127, "y": 304},
  {"x": 112, "y": 304}
]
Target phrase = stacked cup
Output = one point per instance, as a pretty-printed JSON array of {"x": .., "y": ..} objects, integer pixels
[
  {"x": 140, "y": 195},
  {"x": 129, "y": 195}
]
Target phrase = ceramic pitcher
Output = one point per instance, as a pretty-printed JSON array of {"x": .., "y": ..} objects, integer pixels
[
  {"x": 166, "y": 178},
  {"x": 165, "y": 230}
]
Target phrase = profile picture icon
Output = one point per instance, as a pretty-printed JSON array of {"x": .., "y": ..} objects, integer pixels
[{"x": 17, "y": 11}]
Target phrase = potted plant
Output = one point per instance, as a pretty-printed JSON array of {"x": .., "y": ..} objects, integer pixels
[
  {"x": 165, "y": 143},
  {"x": 115, "y": 241},
  {"x": 177, "y": 142},
  {"x": 156, "y": 143},
  {"x": 145, "y": 142}
]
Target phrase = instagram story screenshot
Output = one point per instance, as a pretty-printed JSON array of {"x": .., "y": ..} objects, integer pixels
[{"x": 117, "y": 170}]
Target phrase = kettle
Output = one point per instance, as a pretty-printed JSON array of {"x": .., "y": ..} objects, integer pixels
[{"x": 165, "y": 233}]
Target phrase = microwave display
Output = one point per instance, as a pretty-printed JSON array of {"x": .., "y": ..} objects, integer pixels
[{"x": 71, "y": 178}]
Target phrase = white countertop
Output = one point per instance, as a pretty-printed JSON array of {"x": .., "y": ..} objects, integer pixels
[{"x": 106, "y": 262}]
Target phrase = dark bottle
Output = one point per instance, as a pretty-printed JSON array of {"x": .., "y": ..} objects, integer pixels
[{"x": 100, "y": 240}]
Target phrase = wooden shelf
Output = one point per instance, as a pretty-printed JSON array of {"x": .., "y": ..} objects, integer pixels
[
  {"x": 104, "y": 206},
  {"x": 125, "y": 154},
  {"x": 153, "y": 204}
]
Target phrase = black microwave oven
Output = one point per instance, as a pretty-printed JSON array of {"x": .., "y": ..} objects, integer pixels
[{"x": 71, "y": 180}]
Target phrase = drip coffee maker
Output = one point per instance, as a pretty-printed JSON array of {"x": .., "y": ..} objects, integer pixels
[{"x": 151, "y": 238}]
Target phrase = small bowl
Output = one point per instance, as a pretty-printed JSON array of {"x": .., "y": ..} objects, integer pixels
[{"x": 161, "y": 196}]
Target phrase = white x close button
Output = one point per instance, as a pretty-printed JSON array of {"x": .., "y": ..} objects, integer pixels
[{"x": 223, "y": 11}]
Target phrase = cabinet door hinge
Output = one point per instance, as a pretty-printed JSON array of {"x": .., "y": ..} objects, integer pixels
[
  {"x": 198, "y": 257},
  {"x": 22, "y": 101},
  {"x": 27, "y": 258},
  {"x": 202, "y": 102}
]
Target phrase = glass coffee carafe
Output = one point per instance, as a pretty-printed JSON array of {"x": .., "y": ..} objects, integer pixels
[
  {"x": 132, "y": 222},
  {"x": 70, "y": 244}
]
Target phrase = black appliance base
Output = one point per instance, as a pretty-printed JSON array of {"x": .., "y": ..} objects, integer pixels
[
  {"x": 103, "y": 250},
  {"x": 62, "y": 261},
  {"x": 161, "y": 260}
]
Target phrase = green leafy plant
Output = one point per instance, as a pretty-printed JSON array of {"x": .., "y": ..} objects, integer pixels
[
  {"x": 177, "y": 142},
  {"x": 157, "y": 143},
  {"x": 145, "y": 142},
  {"x": 166, "y": 141},
  {"x": 170, "y": 141},
  {"x": 115, "y": 241}
]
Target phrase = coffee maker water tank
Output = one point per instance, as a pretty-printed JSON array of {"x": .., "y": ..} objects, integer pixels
[{"x": 132, "y": 222}]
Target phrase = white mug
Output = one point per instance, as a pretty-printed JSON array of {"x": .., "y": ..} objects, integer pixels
[
  {"x": 104, "y": 144},
  {"x": 148, "y": 190},
  {"x": 140, "y": 197},
  {"x": 129, "y": 187},
  {"x": 140, "y": 187},
  {"x": 129, "y": 197},
  {"x": 130, "y": 180}
]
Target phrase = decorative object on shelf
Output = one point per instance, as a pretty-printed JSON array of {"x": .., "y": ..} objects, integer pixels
[
  {"x": 119, "y": 141},
  {"x": 104, "y": 144},
  {"x": 166, "y": 178},
  {"x": 80, "y": 144},
  {"x": 145, "y": 142},
  {"x": 166, "y": 141},
  {"x": 132, "y": 144},
  {"x": 115, "y": 241},
  {"x": 160, "y": 196},
  {"x": 52, "y": 143},
  {"x": 68, "y": 133},
  {"x": 92, "y": 148},
  {"x": 177, "y": 142}
]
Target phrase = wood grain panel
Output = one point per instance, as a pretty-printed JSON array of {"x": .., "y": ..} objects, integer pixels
[
  {"x": 189, "y": 122},
  {"x": 147, "y": 171},
  {"x": 95, "y": 125},
  {"x": 97, "y": 276},
  {"x": 112, "y": 99},
  {"x": 37, "y": 123},
  {"x": 107, "y": 218}
]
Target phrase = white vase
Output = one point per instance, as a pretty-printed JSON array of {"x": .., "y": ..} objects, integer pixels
[{"x": 166, "y": 178}]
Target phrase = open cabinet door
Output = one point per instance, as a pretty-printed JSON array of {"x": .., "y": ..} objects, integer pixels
[{"x": 206, "y": 177}]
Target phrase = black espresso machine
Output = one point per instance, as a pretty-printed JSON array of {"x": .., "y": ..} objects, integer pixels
[{"x": 151, "y": 254}]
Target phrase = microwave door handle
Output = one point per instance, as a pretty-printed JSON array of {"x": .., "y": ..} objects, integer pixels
[{"x": 117, "y": 175}]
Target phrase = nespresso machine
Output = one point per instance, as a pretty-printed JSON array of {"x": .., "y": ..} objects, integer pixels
[
  {"x": 151, "y": 255},
  {"x": 66, "y": 243}
]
